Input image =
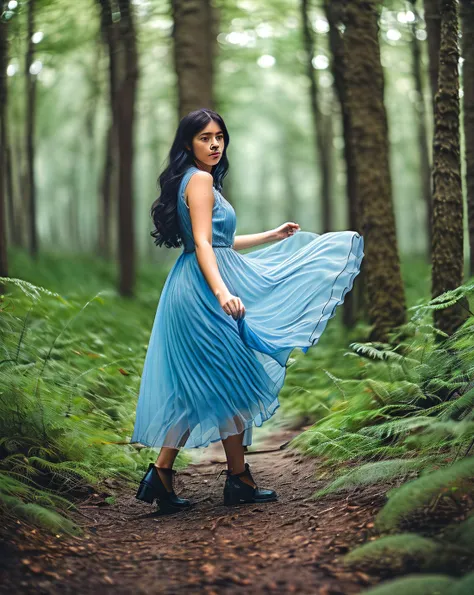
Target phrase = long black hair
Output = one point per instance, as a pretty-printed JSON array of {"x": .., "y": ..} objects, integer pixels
[{"x": 164, "y": 211}]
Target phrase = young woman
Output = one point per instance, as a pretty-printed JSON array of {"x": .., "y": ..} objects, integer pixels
[{"x": 226, "y": 322}]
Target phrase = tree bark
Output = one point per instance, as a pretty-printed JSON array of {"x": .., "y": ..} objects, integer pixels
[
  {"x": 110, "y": 37},
  {"x": 106, "y": 185},
  {"x": 425, "y": 167},
  {"x": 30, "y": 130},
  {"x": 323, "y": 147},
  {"x": 125, "y": 134},
  {"x": 12, "y": 212},
  {"x": 447, "y": 271},
  {"x": 120, "y": 38},
  {"x": 194, "y": 35},
  {"x": 364, "y": 86},
  {"x": 3, "y": 146},
  {"x": 433, "y": 29},
  {"x": 467, "y": 20},
  {"x": 334, "y": 14}
]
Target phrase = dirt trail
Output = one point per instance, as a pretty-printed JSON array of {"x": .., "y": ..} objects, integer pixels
[{"x": 289, "y": 546}]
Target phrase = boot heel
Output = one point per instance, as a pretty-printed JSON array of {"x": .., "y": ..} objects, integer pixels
[{"x": 146, "y": 493}]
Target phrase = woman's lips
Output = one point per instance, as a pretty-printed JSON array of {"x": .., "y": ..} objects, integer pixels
[{"x": 214, "y": 154}]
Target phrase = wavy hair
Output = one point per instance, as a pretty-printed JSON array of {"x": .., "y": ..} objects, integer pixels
[{"x": 164, "y": 211}]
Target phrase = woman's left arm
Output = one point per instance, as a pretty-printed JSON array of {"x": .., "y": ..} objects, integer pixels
[{"x": 255, "y": 239}]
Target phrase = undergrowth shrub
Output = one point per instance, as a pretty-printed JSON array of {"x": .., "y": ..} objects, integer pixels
[{"x": 69, "y": 378}]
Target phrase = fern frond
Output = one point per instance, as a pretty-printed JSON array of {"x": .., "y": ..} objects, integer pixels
[
  {"x": 420, "y": 584},
  {"x": 414, "y": 495},
  {"x": 372, "y": 473}
]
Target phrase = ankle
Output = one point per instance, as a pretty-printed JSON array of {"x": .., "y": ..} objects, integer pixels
[{"x": 236, "y": 470}]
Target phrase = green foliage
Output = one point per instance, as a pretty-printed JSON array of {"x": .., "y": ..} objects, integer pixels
[
  {"x": 372, "y": 473},
  {"x": 461, "y": 534},
  {"x": 405, "y": 501},
  {"x": 430, "y": 584},
  {"x": 411, "y": 397},
  {"x": 404, "y": 553},
  {"x": 465, "y": 586},
  {"x": 69, "y": 378}
]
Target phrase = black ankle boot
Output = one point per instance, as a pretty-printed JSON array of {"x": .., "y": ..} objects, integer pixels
[
  {"x": 237, "y": 491},
  {"x": 151, "y": 487}
]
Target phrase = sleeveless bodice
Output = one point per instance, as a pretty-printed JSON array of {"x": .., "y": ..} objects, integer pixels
[{"x": 223, "y": 217}]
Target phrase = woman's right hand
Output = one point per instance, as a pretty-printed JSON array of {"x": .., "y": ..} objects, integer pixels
[{"x": 232, "y": 305}]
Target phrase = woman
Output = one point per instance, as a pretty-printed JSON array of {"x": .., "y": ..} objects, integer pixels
[{"x": 226, "y": 322}]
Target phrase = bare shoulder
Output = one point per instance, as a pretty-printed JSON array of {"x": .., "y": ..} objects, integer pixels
[
  {"x": 200, "y": 187},
  {"x": 201, "y": 179}
]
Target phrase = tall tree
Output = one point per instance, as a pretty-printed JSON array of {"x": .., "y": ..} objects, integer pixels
[
  {"x": 109, "y": 32},
  {"x": 364, "y": 88},
  {"x": 447, "y": 250},
  {"x": 425, "y": 167},
  {"x": 194, "y": 35},
  {"x": 334, "y": 14},
  {"x": 467, "y": 21},
  {"x": 3, "y": 141},
  {"x": 120, "y": 36},
  {"x": 433, "y": 29},
  {"x": 30, "y": 78},
  {"x": 321, "y": 130},
  {"x": 126, "y": 145}
]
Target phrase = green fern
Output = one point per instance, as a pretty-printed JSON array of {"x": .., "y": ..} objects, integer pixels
[
  {"x": 465, "y": 586},
  {"x": 428, "y": 584},
  {"x": 397, "y": 554},
  {"x": 461, "y": 534},
  {"x": 372, "y": 473},
  {"x": 404, "y": 501}
]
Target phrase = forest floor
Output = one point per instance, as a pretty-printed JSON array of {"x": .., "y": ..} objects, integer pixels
[{"x": 293, "y": 545}]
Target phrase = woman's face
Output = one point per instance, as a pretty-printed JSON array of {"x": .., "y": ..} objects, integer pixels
[{"x": 208, "y": 141}]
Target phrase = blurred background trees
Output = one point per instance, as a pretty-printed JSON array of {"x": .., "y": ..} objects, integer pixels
[{"x": 338, "y": 113}]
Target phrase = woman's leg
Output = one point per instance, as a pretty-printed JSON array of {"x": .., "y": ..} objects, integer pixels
[
  {"x": 166, "y": 459},
  {"x": 235, "y": 456}
]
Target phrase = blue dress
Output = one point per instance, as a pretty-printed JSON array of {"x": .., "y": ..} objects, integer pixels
[{"x": 207, "y": 376}]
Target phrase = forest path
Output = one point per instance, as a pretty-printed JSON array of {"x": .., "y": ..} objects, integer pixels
[{"x": 293, "y": 545}]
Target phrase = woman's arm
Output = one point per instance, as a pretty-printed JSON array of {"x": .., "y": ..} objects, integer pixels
[
  {"x": 201, "y": 202},
  {"x": 254, "y": 239}
]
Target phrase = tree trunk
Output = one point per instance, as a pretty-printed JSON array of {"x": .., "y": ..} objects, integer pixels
[
  {"x": 125, "y": 135},
  {"x": 364, "y": 87},
  {"x": 425, "y": 168},
  {"x": 30, "y": 131},
  {"x": 290, "y": 194},
  {"x": 447, "y": 271},
  {"x": 12, "y": 214},
  {"x": 323, "y": 147},
  {"x": 334, "y": 13},
  {"x": 467, "y": 20},
  {"x": 433, "y": 29},
  {"x": 3, "y": 146},
  {"x": 194, "y": 35},
  {"x": 110, "y": 37},
  {"x": 105, "y": 212}
]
